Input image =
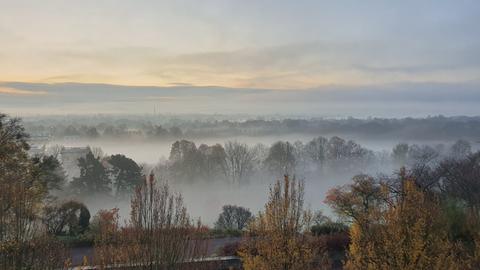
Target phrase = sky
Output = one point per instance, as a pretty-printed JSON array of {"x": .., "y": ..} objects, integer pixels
[{"x": 298, "y": 47}]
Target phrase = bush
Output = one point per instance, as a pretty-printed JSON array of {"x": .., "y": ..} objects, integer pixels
[
  {"x": 334, "y": 242},
  {"x": 328, "y": 228},
  {"x": 82, "y": 240}
]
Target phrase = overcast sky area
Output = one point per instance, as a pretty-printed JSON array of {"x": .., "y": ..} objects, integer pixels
[{"x": 319, "y": 58}]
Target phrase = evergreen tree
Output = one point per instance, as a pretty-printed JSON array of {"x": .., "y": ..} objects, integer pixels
[
  {"x": 93, "y": 177},
  {"x": 51, "y": 172},
  {"x": 126, "y": 174}
]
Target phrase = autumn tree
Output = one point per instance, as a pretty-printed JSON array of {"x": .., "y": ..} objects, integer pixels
[
  {"x": 393, "y": 230},
  {"x": 412, "y": 236},
  {"x": 159, "y": 234},
  {"x": 23, "y": 244},
  {"x": 359, "y": 201},
  {"x": 276, "y": 237},
  {"x": 111, "y": 246}
]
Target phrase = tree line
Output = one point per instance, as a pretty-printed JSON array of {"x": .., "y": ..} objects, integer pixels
[
  {"x": 238, "y": 163},
  {"x": 175, "y": 127}
]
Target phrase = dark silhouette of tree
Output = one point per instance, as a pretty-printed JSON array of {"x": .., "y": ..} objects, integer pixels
[
  {"x": 71, "y": 131},
  {"x": 460, "y": 149},
  {"x": 92, "y": 133},
  {"x": 175, "y": 132},
  {"x": 159, "y": 132},
  {"x": 70, "y": 217},
  {"x": 93, "y": 177},
  {"x": 281, "y": 158},
  {"x": 185, "y": 161},
  {"x": 213, "y": 161},
  {"x": 316, "y": 150},
  {"x": 233, "y": 218},
  {"x": 51, "y": 172},
  {"x": 461, "y": 180},
  {"x": 126, "y": 174},
  {"x": 421, "y": 156}
]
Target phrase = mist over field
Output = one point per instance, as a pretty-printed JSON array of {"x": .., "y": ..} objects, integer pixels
[
  {"x": 240, "y": 135},
  {"x": 149, "y": 140}
]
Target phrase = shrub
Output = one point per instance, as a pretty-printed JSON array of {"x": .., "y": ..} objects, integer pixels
[{"x": 329, "y": 228}]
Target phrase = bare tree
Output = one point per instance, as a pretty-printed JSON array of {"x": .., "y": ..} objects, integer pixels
[
  {"x": 160, "y": 234},
  {"x": 239, "y": 159},
  {"x": 316, "y": 150},
  {"x": 460, "y": 149}
]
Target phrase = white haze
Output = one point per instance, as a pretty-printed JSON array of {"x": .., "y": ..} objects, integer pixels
[{"x": 205, "y": 200}]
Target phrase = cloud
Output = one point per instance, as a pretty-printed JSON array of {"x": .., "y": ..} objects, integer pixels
[
  {"x": 297, "y": 65},
  {"x": 399, "y": 99},
  {"x": 20, "y": 92},
  {"x": 258, "y": 44}
]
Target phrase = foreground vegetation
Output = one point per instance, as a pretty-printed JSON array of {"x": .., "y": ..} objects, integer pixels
[{"x": 425, "y": 216}]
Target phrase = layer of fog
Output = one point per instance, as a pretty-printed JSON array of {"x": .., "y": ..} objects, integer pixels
[
  {"x": 205, "y": 200},
  {"x": 150, "y": 152}
]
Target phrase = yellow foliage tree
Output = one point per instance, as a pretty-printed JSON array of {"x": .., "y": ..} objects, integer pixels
[
  {"x": 276, "y": 237},
  {"x": 409, "y": 234}
]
